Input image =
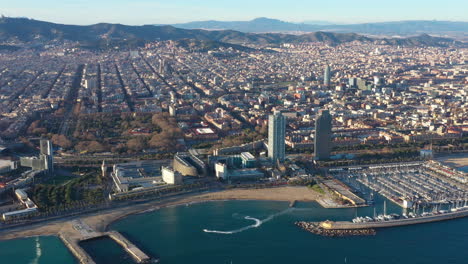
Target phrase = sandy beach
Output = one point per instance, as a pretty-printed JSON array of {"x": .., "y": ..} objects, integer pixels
[
  {"x": 99, "y": 221},
  {"x": 458, "y": 160}
]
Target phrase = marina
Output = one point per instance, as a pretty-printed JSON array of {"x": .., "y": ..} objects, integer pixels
[
  {"x": 410, "y": 185},
  {"x": 427, "y": 191}
]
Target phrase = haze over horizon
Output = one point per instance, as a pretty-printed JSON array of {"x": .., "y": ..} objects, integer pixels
[{"x": 141, "y": 12}]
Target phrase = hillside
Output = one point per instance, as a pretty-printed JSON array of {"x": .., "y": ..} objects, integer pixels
[{"x": 100, "y": 35}]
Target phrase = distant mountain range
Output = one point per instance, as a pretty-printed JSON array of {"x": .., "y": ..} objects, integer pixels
[
  {"x": 403, "y": 28},
  {"x": 258, "y": 25},
  {"x": 108, "y": 35}
]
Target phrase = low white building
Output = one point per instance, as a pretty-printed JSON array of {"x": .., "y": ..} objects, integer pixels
[
  {"x": 171, "y": 176},
  {"x": 19, "y": 213}
]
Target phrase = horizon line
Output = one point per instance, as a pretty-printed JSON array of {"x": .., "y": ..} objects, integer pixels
[{"x": 331, "y": 23}]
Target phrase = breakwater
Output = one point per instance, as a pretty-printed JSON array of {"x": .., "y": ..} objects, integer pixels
[
  {"x": 394, "y": 223},
  {"x": 76, "y": 250},
  {"x": 344, "y": 228},
  {"x": 318, "y": 230},
  {"x": 132, "y": 249},
  {"x": 81, "y": 232}
]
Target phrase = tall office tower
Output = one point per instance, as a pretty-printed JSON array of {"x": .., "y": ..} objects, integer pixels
[
  {"x": 327, "y": 76},
  {"x": 46, "y": 147},
  {"x": 377, "y": 80},
  {"x": 322, "y": 141},
  {"x": 352, "y": 82},
  {"x": 47, "y": 155},
  {"x": 161, "y": 66},
  {"x": 276, "y": 136}
]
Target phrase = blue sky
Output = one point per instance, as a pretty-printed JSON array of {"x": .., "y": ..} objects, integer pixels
[{"x": 137, "y": 12}]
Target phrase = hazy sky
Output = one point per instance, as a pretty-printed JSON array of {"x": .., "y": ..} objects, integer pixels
[{"x": 136, "y": 12}]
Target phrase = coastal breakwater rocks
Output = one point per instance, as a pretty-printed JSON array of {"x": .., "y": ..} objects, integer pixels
[{"x": 315, "y": 228}]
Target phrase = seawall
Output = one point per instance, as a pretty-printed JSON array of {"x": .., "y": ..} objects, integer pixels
[{"x": 393, "y": 223}]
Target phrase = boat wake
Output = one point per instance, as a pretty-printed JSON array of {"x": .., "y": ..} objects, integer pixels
[
  {"x": 38, "y": 252},
  {"x": 258, "y": 223}
]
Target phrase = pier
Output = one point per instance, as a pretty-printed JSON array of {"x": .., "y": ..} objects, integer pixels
[
  {"x": 81, "y": 232},
  {"x": 76, "y": 250},
  {"x": 318, "y": 230},
  {"x": 133, "y": 250},
  {"x": 393, "y": 223},
  {"x": 342, "y": 228}
]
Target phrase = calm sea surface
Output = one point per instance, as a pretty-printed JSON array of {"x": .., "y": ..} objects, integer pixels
[
  {"x": 36, "y": 250},
  {"x": 256, "y": 232}
]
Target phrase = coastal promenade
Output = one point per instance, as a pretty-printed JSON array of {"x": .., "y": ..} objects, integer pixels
[{"x": 100, "y": 220}]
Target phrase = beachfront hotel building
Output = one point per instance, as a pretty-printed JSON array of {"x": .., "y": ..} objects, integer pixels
[{"x": 276, "y": 137}]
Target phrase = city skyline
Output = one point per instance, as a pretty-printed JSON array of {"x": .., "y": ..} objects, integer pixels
[
  {"x": 179, "y": 11},
  {"x": 112, "y": 131},
  {"x": 151, "y": 131}
]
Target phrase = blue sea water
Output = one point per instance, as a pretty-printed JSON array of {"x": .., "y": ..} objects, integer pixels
[
  {"x": 263, "y": 232},
  {"x": 257, "y": 232},
  {"x": 35, "y": 250}
]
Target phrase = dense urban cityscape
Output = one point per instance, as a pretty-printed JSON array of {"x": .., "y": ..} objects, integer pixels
[{"x": 89, "y": 136}]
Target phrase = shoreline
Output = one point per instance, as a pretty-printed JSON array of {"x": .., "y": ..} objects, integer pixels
[
  {"x": 458, "y": 161},
  {"x": 100, "y": 221},
  {"x": 176, "y": 204}
]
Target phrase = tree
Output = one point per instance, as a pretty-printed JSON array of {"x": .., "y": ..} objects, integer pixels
[
  {"x": 90, "y": 146},
  {"x": 137, "y": 143},
  {"x": 62, "y": 141}
]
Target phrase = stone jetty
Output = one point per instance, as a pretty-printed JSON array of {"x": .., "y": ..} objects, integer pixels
[{"x": 315, "y": 228}]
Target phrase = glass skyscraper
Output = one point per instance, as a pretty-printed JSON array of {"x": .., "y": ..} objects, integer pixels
[
  {"x": 47, "y": 154},
  {"x": 276, "y": 136},
  {"x": 327, "y": 75},
  {"x": 322, "y": 141}
]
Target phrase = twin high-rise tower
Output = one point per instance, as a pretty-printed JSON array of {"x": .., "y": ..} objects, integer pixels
[
  {"x": 276, "y": 137},
  {"x": 277, "y": 134}
]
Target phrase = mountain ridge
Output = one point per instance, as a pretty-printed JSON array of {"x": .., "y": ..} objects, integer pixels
[
  {"x": 35, "y": 31},
  {"x": 405, "y": 27}
]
